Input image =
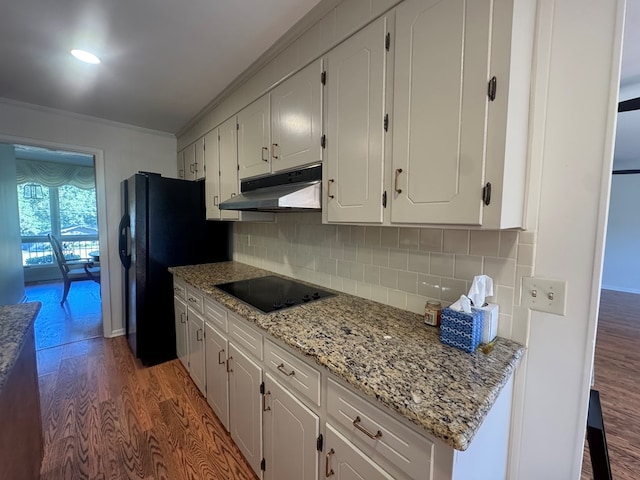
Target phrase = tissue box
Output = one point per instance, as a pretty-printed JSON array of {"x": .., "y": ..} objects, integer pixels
[
  {"x": 461, "y": 330},
  {"x": 489, "y": 322}
]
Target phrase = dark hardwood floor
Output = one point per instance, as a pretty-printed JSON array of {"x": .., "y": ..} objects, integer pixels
[
  {"x": 617, "y": 378},
  {"x": 106, "y": 417}
]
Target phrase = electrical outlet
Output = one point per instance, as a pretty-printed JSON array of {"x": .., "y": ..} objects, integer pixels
[{"x": 544, "y": 294}]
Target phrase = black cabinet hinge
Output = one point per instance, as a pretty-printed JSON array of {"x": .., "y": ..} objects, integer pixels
[
  {"x": 323, "y": 141},
  {"x": 386, "y": 122},
  {"x": 323, "y": 78},
  {"x": 237, "y": 126},
  {"x": 238, "y": 167},
  {"x": 387, "y": 41},
  {"x": 319, "y": 443},
  {"x": 486, "y": 193},
  {"x": 262, "y": 388},
  {"x": 491, "y": 92},
  {"x": 384, "y": 199},
  {"x": 263, "y": 465}
]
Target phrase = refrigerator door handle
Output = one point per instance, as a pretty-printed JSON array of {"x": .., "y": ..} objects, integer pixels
[{"x": 123, "y": 228}]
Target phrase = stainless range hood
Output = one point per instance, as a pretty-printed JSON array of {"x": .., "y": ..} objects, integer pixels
[{"x": 296, "y": 191}]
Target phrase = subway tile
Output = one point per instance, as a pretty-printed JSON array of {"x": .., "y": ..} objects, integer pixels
[
  {"x": 419, "y": 262},
  {"x": 337, "y": 251},
  {"x": 357, "y": 235},
  {"x": 521, "y": 272},
  {"x": 409, "y": 238},
  {"x": 508, "y": 244},
  {"x": 356, "y": 272},
  {"x": 521, "y": 319},
  {"x": 441, "y": 264},
  {"x": 372, "y": 274},
  {"x": 363, "y": 290},
  {"x": 416, "y": 303},
  {"x": 350, "y": 253},
  {"x": 343, "y": 234},
  {"x": 380, "y": 256},
  {"x": 501, "y": 270},
  {"x": 528, "y": 238},
  {"x": 336, "y": 282},
  {"x": 389, "y": 278},
  {"x": 390, "y": 237},
  {"x": 343, "y": 268},
  {"x": 397, "y": 299},
  {"x": 398, "y": 258},
  {"x": 372, "y": 236},
  {"x": 455, "y": 241},
  {"x": 364, "y": 255},
  {"x": 379, "y": 293},
  {"x": 349, "y": 286},
  {"x": 430, "y": 240},
  {"x": 429, "y": 286},
  {"x": 408, "y": 281},
  {"x": 526, "y": 254},
  {"x": 467, "y": 267},
  {"x": 505, "y": 325},
  {"x": 504, "y": 297},
  {"x": 484, "y": 243},
  {"x": 452, "y": 289},
  {"x": 327, "y": 265}
]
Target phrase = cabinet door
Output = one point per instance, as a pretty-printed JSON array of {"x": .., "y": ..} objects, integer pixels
[
  {"x": 196, "y": 349},
  {"x": 343, "y": 461},
  {"x": 355, "y": 126},
  {"x": 180, "y": 164},
  {"x": 440, "y": 110},
  {"x": 295, "y": 120},
  {"x": 254, "y": 139},
  {"x": 245, "y": 406},
  {"x": 216, "y": 352},
  {"x": 228, "y": 156},
  {"x": 290, "y": 434},
  {"x": 180, "y": 309},
  {"x": 189, "y": 162},
  {"x": 199, "y": 161},
  {"x": 212, "y": 178}
]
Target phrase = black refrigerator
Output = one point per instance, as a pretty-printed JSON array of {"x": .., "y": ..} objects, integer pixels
[{"x": 163, "y": 225}]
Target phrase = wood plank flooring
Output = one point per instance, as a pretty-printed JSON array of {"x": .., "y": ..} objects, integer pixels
[
  {"x": 617, "y": 377},
  {"x": 106, "y": 417}
]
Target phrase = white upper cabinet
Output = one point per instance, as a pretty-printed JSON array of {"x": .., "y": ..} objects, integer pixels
[
  {"x": 228, "y": 157},
  {"x": 180, "y": 164},
  {"x": 189, "y": 160},
  {"x": 296, "y": 129},
  {"x": 440, "y": 110},
  {"x": 353, "y": 184},
  {"x": 212, "y": 180},
  {"x": 254, "y": 139}
]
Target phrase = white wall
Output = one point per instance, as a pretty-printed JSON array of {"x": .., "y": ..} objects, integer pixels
[
  {"x": 11, "y": 271},
  {"x": 622, "y": 254},
  {"x": 120, "y": 151}
]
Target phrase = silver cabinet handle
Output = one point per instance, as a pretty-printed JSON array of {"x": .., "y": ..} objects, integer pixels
[
  {"x": 273, "y": 151},
  {"x": 182, "y": 320},
  {"x": 328, "y": 471},
  {"x": 288, "y": 374},
  {"x": 329, "y": 182},
  {"x": 192, "y": 168},
  {"x": 215, "y": 200},
  {"x": 264, "y": 402},
  {"x": 220, "y": 362},
  {"x": 398, "y": 172},
  {"x": 356, "y": 423},
  {"x": 265, "y": 150},
  {"x": 199, "y": 335}
]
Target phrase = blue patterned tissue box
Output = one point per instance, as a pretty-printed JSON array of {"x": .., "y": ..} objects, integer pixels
[{"x": 461, "y": 330}]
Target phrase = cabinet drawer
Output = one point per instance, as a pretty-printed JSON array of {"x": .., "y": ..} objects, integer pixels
[
  {"x": 179, "y": 289},
  {"x": 395, "y": 442},
  {"x": 195, "y": 300},
  {"x": 215, "y": 315},
  {"x": 293, "y": 372},
  {"x": 244, "y": 336}
]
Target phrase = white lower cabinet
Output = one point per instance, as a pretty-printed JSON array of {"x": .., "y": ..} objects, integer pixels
[
  {"x": 343, "y": 461},
  {"x": 290, "y": 435},
  {"x": 180, "y": 309},
  {"x": 216, "y": 354},
  {"x": 195, "y": 345},
  {"x": 245, "y": 412}
]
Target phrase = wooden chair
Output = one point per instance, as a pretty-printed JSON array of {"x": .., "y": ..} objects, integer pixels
[{"x": 70, "y": 269}]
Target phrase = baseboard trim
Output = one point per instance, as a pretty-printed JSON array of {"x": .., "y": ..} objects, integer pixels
[
  {"x": 116, "y": 333},
  {"x": 620, "y": 289}
]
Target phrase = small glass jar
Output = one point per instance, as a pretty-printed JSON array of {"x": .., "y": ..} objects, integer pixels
[{"x": 433, "y": 313}]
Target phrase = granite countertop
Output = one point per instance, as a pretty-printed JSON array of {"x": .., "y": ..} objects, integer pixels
[
  {"x": 386, "y": 353},
  {"x": 15, "y": 321}
]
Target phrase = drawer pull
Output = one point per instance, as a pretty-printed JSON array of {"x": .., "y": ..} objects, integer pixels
[
  {"x": 182, "y": 320},
  {"x": 229, "y": 370},
  {"x": 398, "y": 172},
  {"x": 288, "y": 374},
  {"x": 199, "y": 335},
  {"x": 329, "y": 182},
  {"x": 265, "y": 150},
  {"x": 356, "y": 423},
  {"x": 328, "y": 471},
  {"x": 264, "y": 402},
  {"x": 220, "y": 362}
]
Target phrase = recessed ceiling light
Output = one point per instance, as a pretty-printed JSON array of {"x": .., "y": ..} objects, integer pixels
[{"x": 84, "y": 56}]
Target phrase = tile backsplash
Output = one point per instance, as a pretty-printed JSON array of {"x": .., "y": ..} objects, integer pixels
[{"x": 402, "y": 267}]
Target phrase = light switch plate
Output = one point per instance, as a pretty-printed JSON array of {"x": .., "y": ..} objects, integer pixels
[{"x": 544, "y": 294}]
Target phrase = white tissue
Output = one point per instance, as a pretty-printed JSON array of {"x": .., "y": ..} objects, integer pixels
[
  {"x": 463, "y": 304},
  {"x": 481, "y": 288}
]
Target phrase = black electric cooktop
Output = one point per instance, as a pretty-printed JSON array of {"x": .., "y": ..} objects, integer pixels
[{"x": 271, "y": 293}]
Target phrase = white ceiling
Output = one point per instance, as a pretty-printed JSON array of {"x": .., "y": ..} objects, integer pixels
[{"x": 162, "y": 60}]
